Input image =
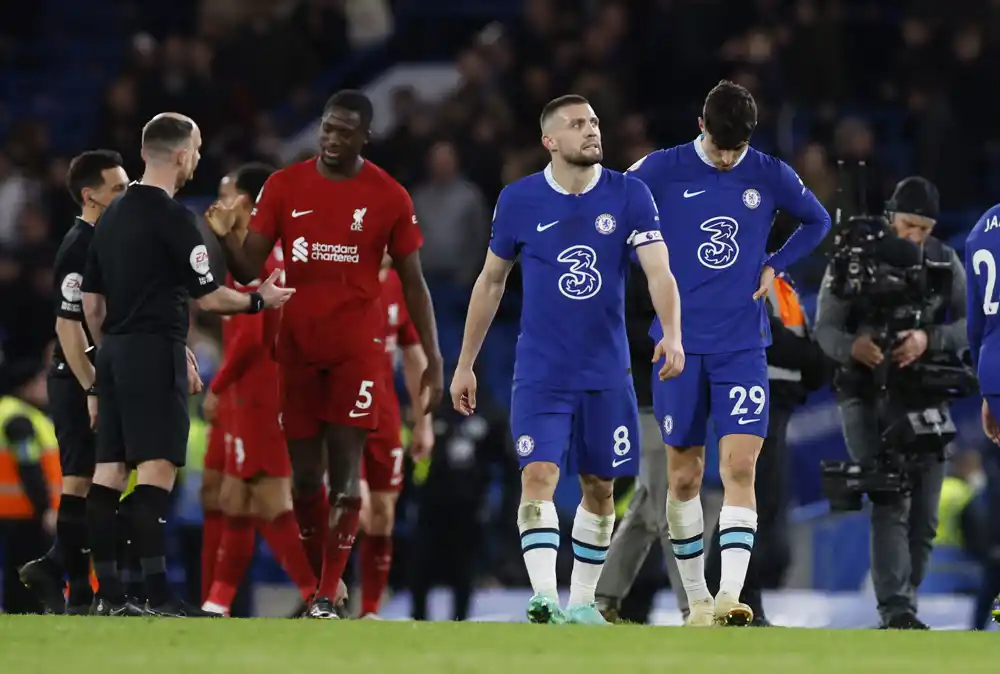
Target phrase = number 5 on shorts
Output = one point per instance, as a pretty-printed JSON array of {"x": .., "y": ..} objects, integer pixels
[{"x": 364, "y": 400}]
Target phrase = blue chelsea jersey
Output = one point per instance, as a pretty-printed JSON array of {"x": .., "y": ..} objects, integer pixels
[
  {"x": 716, "y": 225},
  {"x": 574, "y": 251},
  {"x": 982, "y": 254}
]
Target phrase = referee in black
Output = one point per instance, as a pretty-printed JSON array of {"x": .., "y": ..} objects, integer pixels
[
  {"x": 147, "y": 259},
  {"x": 94, "y": 179}
]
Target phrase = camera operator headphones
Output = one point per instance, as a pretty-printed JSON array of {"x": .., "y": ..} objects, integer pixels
[{"x": 915, "y": 195}]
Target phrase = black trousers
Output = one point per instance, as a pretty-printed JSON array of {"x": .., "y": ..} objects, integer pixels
[
  {"x": 771, "y": 550},
  {"x": 446, "y": 545},
  {"x": 20, "y": 541}
]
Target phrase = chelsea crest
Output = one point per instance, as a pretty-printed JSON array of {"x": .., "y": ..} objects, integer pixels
[
  {"x": 605, "y": 222},
  {"x": 751, "y": 198}
]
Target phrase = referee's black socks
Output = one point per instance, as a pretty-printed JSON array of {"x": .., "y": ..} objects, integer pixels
[
  {"x": 151, "y": 508},
  {"x": 70, "y": 549},
  {"x": 102, "y": 531}
]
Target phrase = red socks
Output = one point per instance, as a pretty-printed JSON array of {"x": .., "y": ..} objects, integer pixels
[
  {"x": 339, "y": 544},
  {"x": 211, "y": 537},
  {"x": 313, "y": 514},
  {"x": 282, "y": 536},
  {"x": 235, "y": 556},
  {"x": 376, "y": 561}
]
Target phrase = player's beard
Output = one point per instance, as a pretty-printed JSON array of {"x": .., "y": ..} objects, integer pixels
[{"x": 582, "y": 159}]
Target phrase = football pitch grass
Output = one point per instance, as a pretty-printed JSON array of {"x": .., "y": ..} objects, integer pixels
[{"x": 52, "y": 645}]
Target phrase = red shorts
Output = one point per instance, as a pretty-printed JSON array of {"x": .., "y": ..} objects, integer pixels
[
  {"x": 382, "y": 467},
  {"x": 256, "y": 446},
  {"x": 345, "y": 394},
  {"x": 215, "y": 453}
]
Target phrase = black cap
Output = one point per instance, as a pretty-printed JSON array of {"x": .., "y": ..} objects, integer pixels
[
  {"x": 917, "y": 196},
  {"x": 15, "y": 374}
]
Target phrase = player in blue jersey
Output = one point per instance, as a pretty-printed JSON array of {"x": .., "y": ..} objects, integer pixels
[
  {"x": 982, "y": 302},
  {"x": 574, "y": 228},
  {"x": 717, "y": 197}
]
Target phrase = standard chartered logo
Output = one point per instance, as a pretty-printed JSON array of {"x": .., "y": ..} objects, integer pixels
[{"x": 302, "y": 251}]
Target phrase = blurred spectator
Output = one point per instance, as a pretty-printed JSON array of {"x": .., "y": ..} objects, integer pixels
[{"x": 453, "y": 217}]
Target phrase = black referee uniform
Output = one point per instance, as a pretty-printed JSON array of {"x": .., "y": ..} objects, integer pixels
[
  {"x": 147, "y": 259},
  {"x": 67, "y": 400}
]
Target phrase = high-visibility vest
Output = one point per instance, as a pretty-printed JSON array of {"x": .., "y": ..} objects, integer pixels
[
  {"x": 43, "y": 449},
  {"x": 955, "y": 495},
  {"x": 784, "y": 303}
]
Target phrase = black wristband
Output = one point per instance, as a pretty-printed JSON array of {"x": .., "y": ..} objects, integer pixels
[
  {"x": 256, "y": 303},
  {"x": 92, "y": 391}
]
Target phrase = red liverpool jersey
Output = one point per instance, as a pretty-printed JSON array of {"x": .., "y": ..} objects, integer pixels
[
  {"x": 333, "y": 234},
  {"x": 249, "y": 372}
]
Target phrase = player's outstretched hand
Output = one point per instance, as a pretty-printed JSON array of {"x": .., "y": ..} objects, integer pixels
[
  {"x": 990, "y": 426},
  {"x": 463, "y": 391},
  {"x": 210, "y": 406},
  {"x": 432, "y": 384},
  {"x": 767, "y": 275},
  {"x": 221, "y": 218},
  {"x": 274, "y": 295},
  {"x": 672, "y": 353}
]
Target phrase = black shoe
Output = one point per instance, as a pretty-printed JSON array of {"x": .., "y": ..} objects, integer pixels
[
  {"x": 323, "y": 609},
  {"x": 46, "y": 584},
  {"x": 110, "y": 609},
  {"x": 760, "y": 621},
  {"x": 176, "y": 608},
  {"x": 904, "y": 621}
]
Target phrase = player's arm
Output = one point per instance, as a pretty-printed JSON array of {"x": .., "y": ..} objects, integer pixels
[
  {"x": 490, "y": 284},
  {"x": 246, "y": 252},
  {"x": 647, "y": 242},
  {"x": 655, "y": 262},
  {"x": 94, "y": 308},
  {"x": 976, "y": 317},
  {"x": 952, "y": 336},
  {"x": 793, "y": 197}
]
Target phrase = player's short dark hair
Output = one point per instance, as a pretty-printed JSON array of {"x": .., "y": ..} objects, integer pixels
[
  {"x": 730, "y": 115},
  {"x": 557, "y": 104},
  {"x": 164, "y": 133},
  {"x": 250, "y": 178},
  {"x": 353, "y": 101},
  {"x": 87, "y": 170}
]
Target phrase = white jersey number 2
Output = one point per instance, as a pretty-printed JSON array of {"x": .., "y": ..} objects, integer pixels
[{"x": 984, "y": 258}]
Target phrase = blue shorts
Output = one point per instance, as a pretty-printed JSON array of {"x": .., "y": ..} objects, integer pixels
[
  {"x": 729, "y": 388},
  {"x": 582, "y": 432}
]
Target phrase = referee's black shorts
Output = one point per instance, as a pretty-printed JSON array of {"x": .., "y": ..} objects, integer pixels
[
  {"x": 68, "y": 409},
  {"x": 142, "y": 398}
]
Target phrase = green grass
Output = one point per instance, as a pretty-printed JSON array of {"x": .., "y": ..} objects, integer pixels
[{"x": 48, "y": 644}]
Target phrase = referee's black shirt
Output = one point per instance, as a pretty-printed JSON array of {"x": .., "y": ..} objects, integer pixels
[
  {"x": 71, "y": 262},
  {"x": 148, "y": 256}
]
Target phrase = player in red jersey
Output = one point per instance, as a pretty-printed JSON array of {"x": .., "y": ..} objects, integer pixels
[
  {"x": 334, "y": 216},
  {"x": 383, "y": 461},
  {"x": 211, "y": 484},
  {"x": 256, "y": 490}
]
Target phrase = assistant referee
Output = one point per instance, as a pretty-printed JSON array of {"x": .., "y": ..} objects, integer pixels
[{"x": 147, "y": 259}]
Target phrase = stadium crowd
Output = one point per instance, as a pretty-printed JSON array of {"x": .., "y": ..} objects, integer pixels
[{"x": 896, "y": 84}]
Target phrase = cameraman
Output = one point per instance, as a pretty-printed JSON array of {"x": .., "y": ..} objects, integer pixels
[{"x": 903, "y": 527}]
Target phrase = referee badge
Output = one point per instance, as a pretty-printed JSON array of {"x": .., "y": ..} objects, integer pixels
[{"x": 199, "y": 260}]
